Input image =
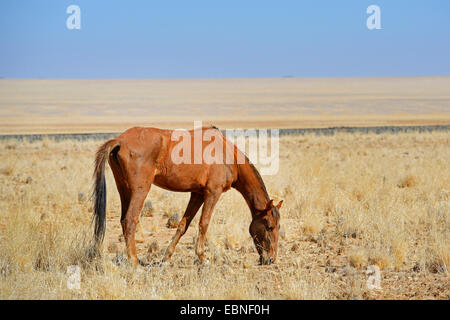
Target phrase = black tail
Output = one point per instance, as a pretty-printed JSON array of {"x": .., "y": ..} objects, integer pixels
[{"x": 99, "y": 192}]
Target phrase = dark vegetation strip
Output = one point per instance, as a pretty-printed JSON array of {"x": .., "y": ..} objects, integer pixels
[{"x": 318, "y": 131}]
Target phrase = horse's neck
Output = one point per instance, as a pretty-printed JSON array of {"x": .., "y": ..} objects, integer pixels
[{"x": 252, "y": 188}]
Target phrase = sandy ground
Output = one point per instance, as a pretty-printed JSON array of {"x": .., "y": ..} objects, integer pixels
[{"x": 54, "y": 106}]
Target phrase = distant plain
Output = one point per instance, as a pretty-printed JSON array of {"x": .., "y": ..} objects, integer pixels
[{"x": 102, "y": 105}]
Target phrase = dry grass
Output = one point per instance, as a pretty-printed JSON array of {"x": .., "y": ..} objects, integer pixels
[{"x": 350, "y": 200}]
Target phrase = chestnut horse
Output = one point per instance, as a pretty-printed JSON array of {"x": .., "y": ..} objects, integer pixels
[{"x": 140, "y": 157}]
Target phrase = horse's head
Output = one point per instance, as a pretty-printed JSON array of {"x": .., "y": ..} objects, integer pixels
[{"x": 264, "y": 231}]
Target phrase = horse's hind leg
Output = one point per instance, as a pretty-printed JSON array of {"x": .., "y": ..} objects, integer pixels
[
  {"x": 125, "y": 197},
  {"x": 130, "y": 221},
  {"x": 211, "y": 197},
  {"x": 133, "y": 181},
  {"x": 140, "y": 186},
  {"x": 195, "y": 203}
]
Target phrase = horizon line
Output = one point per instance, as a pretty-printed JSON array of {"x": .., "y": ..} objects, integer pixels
[{"x": 221, "y": 78}]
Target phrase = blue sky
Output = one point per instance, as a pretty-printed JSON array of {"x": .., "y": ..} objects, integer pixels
[{"x": 223, "y": 39}]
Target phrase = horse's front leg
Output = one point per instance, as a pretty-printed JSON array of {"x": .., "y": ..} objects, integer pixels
[
  {"x": 194, "y": 204},
  {"x": 210, "y": 199}
]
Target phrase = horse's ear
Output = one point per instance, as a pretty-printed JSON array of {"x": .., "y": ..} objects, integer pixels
[
  {"x": 278, "y": 206},
  {"x": 269, "y": 205}
]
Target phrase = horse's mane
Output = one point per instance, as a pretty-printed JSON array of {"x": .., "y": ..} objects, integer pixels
[
  {"x": 258, "y": 176},
  {"x": 261, "y": 182}
]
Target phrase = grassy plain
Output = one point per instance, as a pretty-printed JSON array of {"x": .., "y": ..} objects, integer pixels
[{"x": 350, "y": 201}]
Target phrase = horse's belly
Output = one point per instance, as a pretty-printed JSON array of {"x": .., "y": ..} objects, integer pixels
[{"x": 183, "y": 179}]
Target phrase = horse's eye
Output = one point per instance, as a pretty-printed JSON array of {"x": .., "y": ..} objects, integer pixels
[{"x": 270, "y": 228}]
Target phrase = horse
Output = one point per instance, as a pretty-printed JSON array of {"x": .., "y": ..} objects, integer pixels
[{"x": 141, "y": 156}]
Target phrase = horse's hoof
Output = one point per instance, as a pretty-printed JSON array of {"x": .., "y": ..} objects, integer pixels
[
  {"x": 142, "y": 264},
  {"x": 160, "y": 263}
]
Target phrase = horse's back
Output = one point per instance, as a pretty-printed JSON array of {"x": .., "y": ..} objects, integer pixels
[{"x": 156, "y": 146}]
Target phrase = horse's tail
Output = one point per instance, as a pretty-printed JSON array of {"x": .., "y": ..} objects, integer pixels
[{"x": 99, "y": 191}]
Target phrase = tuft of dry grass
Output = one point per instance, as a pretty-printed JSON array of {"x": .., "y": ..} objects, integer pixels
[
  {"x": 312, "y": 224},
  {"x": 350, "y": 201},
  {"x": 358, "y": 259},
  {"x": 408, "y": 181}
]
